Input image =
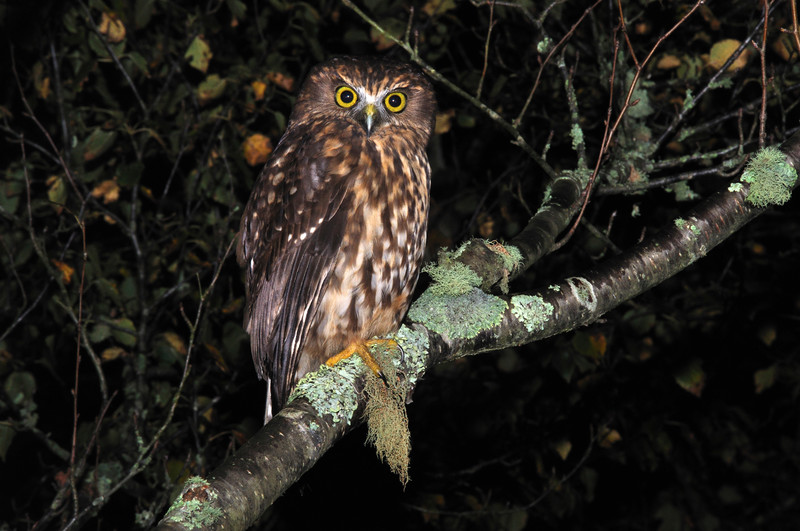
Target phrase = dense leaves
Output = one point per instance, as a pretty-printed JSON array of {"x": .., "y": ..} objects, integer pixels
[{"x": 133, "y": 131}]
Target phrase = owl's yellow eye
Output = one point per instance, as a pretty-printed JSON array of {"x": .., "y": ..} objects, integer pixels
[
  {"x": 346, "y": 97},
  {"x": 395, "y": 101}
]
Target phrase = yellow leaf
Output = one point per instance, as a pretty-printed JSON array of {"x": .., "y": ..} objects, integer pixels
[
  {"x": 608, "y": 437},
  {"x": 444, "y": 121},
  {"x": 437, "y": 7},
  {"x": 112, "y": 27},
  {"x": 108, "y": 190},
  {"x": 768, "y": 334},
  {"x": 56, "y": 192},
  {"x": 722, "y": 50},
  {"x": 218, "y": 359},
  {"x": 692, "y": 378},
  {"x": 563, "y": 448},
  {"x": 43, "y": 88},
  {"x": 485, "y": 225},
  {"x": 112, "y": 353},
  {"x": 283, "y": 81},
  {"x": 785, "y": 46},
  {"x": 232, "y": 306},
  {"x": 199, "y": 54},
  {"x": 257, "y": 149},
  {"x": 97, "y": 143},
  {"x": 212, "y": 87},
  {"x": 176, "y": 342},
  {"x": 258, "y": 89},
  {"x": 40, "y": 81},
  {"x": 668, "y": 62},
  {"x": 67, "y": 271},
  {"x": 765, "y": 378},
  {"x": 599, "y": 343}
]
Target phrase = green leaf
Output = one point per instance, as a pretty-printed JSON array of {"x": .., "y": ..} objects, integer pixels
[
  {"x": 691, "y": 377},
  {"x": 238, "y": 8},
  {"x": 765, "y": 378},
  {"x": 140, "y": 62},
  {"x": 142, "y": 12},
  {"x": 98, "y": 143},
  {"x": 20, "y": 386},
  {"x": 57, "y": 190},
  {"x": 199, "y": 54},
  {"x": 97, "y": 45},
  {"x": 99, "y": 332},
  {"x": 124, "y": 331},
  {"x": 11, "y": 189},
  {"x": 129, "y": 174},
  {"x": 7, "y": 434},
  {"x": 212, "y": 87}
]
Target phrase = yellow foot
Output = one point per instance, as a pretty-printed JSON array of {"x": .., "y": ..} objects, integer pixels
[{"x": 362, "y": 349}]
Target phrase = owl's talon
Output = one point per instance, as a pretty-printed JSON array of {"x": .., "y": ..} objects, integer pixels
[{"x": 362, "y": 349}]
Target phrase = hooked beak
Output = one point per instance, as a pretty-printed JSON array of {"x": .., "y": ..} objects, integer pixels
[{"x": 370, "y": 115}]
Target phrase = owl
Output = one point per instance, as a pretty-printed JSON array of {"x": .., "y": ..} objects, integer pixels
[{"x": 332, "y": 237}]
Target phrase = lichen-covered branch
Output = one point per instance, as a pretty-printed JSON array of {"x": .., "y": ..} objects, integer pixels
[
  {"x": 448, "y": 323},
  {"x": 491, "y": 264}
]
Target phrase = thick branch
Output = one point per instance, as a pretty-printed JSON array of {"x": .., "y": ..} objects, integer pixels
[{"x": 442, "y": 328}]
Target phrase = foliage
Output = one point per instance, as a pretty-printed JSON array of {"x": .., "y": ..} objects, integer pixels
[{"x": 132, "y": 133}]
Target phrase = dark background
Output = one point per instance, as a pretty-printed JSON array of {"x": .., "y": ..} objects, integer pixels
[{"x": 676, "y": 411}]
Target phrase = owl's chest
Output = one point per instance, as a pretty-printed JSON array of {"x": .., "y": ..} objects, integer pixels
[
  {"x": 390, "y": 209},
  {"x": 378, "y": 261}
]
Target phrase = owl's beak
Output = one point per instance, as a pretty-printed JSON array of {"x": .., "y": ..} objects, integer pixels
[{"x": 370, "y": 114}]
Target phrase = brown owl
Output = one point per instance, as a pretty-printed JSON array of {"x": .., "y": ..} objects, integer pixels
[{"x": 333, "y": 235}]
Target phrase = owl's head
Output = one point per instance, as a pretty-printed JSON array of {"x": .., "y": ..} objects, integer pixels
[{"x": 375, "y": 95}]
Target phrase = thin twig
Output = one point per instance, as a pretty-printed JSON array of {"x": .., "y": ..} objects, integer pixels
[
  {"x": 486, "y": 49},
  {"x": 795, "y": 28},
  {"x": 762, "y": 120},
  {"x": 550, "y": 54}
]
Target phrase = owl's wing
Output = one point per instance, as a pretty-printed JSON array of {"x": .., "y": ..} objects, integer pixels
[{"x": 289, "y": 237}]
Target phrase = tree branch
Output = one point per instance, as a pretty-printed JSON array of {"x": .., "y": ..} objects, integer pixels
[{"x": 443, "y": 327}]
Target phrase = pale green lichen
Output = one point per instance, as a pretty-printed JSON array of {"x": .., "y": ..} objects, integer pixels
[
  {"x": 735, "y": 187},
  {"x": 544, "y": 45},
  {"x": 532, "y": 311},
  {"x": 511, "y": 257},
  {"x": 683, "y": 192},
  {"x": 687, "y": 224},
  {"x": 577, "y": 136},
  {"x": 688, "y": 101},
  {"x": 461, "y": 316},
  {"x": 771, "y": 178},
  {"x": 329, "y": 390},
  {"x": 451, "y": 278},
  {"x": 583, "y": 291},
  {"x": 415, "y": 346},
  {"x": 641, "y": 96},
  {"x": 198, "y": 512},
  {"x": 454, "y": 254},
  {"x": 554, "y": 287}
]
